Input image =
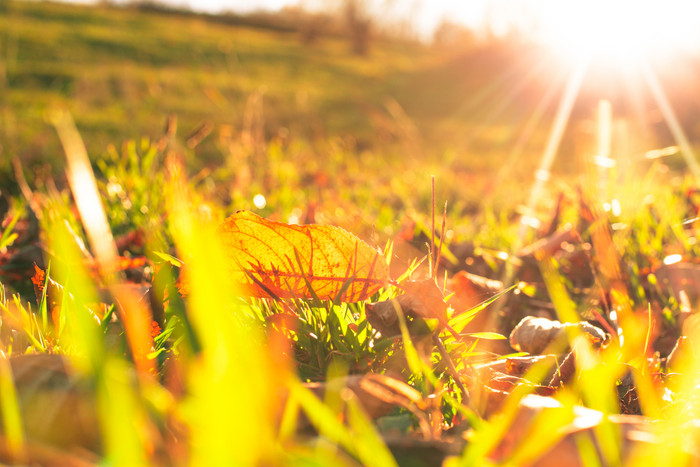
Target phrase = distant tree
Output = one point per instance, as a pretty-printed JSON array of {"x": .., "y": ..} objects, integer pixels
[
  {"x": 311, "y": 27},
  {"x": 4, "y": 49},
  {"x": 359, "y": 25},
  {"x": 451, "y": 34},
  {"x": 397, "y": 19}
]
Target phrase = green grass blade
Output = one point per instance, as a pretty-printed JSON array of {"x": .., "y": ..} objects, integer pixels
[
  {"x": 11, "y": 417},
  {"x": 8, "y": 237}
]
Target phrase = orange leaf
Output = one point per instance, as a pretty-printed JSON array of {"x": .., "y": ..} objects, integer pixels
[
  {"x": 38, "y": 279},
  {"x": 429, "y": 296},
  {"x": 277, "y": 260}
]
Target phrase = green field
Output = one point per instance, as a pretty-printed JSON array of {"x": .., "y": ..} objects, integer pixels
[
  {"x": 471, "y": 108},
  {"x": 141, "y": 325},
  {"x": 121, "y": 74}
]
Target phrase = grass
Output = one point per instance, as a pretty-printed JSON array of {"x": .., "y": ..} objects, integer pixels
[
  {"x": 214, "y": 377},
  {"x": 121, "y": 74},
  {"x": 112, "y": 66},
  {"x": 195, "y": 386}
]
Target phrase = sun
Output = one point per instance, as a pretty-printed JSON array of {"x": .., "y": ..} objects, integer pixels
[{"x": 619, "y": 31}]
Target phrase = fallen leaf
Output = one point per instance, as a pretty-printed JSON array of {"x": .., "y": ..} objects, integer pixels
[
  {"x": 534, "y": 335},
  {"x": 276, "y": 260},
  {"x": 430, "y": 300},
  {"x": 423, "y": 301},
  {"x": 576, "y": 424},
  {"x": 680, "y": 278},
  {"x": 54, "y": 293},
  {"x": 551, "y": 244},
  {"x": 38, "y": 279},
  {"x": 519, "y": 366},
  {"x": 384, "y": 316},
  {"x": 470, "y": 290},
  {"x": 507, "y": 383},
  {"x": 56, "y": 403},
  {"x": 410, "y": 449},
  {"x": 378, "y": 394}
]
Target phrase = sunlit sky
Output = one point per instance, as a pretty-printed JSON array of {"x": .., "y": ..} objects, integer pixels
[
  {"x": 425, "y": 14},
  {"x": 568, "y": 23}
]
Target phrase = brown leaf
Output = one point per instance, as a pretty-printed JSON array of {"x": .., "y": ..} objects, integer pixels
[
  {"x": 469, "y": 291},
  {"x": 384, "y": 315},
  {"x": 378, "y": 394},
  {"x": 534, "y": 335},
  {"x": 429, "y": 301},
  {"x": 508, "y": 383},
  {"x": 276, "y": 260},
  {"x": 519, "y": 366},
  {"x": 578, "y": 424},
  {"x": 551, "y": 244},
  {"x": 57, "y": 405},
  {"x": 38, "y": 280},
  {"x": 680, "y": 278},
  {"x": 423, "y": 300},
  {"x": 54, "y": 293}
]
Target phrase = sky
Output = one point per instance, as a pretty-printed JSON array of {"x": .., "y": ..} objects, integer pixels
[
  {"x": 425, "y": 13},
  {"x": 661, "y": 24}
]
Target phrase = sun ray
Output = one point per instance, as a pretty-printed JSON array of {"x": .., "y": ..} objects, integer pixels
[
  {"x": 669, "y": 115},
  {"x": 517, "y": 88},
  {"x": 527, "y": 132},
  {"x": 573, "y": 85},
  {"x": 618, "y": 31}
]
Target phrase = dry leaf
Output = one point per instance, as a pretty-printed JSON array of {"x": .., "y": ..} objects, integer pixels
[
  {"x": 430, "y": 302},
  {"x": 551, "y": 244},
  {"x": 534, "y": 335},
  {"x": 56, "y": 403},
  {"x": 578, "y": 424},
  {"x": 470, "y": 290},
  {"x": 277, "y": 260},
  {"x": 680, "y": 278},
  {"x": 508, "y": 383},
  {"x": 384, "y": 316},
  {"x": 423, "y": 300},
  {"x": 518, "y": 366},
  {"x": 54, "y": 293},
  {"x": 378, "y": 394}
]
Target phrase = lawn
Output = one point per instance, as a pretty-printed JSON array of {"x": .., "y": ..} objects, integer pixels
[{"x": 220, "y": 245}]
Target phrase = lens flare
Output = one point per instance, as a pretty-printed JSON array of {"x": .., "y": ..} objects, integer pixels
[{"x": 619, "y": 31}]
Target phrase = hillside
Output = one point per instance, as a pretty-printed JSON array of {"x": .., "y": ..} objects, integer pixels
[
  {"x": 468, "y": 110},
  {"x": 121, "y": 73}
]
